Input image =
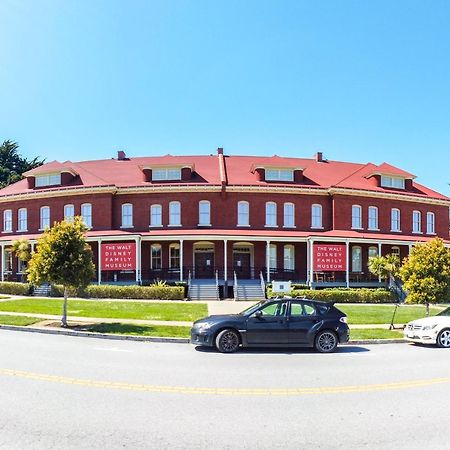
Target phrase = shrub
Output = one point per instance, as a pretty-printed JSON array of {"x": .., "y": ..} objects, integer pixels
[
  {"x": 136, "y": 292},
  {"x": 9, "y": 287},
  {"x": 57, "y": 290},
  {"x": 344, "y": 295}
]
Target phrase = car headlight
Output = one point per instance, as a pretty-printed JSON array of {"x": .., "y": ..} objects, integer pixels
[
  {"x": 429, "y": 327},
  {"x": 203, "y": 326}
]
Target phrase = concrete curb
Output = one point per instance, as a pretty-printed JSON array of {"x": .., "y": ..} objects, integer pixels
[{"x": 123, "y": 337}]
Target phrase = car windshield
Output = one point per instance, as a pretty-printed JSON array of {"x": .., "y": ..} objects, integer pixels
[
  {"x": 251, "y": 309},
  {"x": 446, "y": 312}
]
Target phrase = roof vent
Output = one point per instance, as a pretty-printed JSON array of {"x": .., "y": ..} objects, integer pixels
[
  {"x": 319, "y": 156},
  {"x": 121, "y": 156}
]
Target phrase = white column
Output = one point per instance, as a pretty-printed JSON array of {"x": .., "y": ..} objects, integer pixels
[
  {"x": 311, "y": 262},
  {"x": 379, "y": 254},
  {"x": 410, "y": 246},
  {"x": 268, "y": 261},
  {"x": 347, "y": 269},
  {"x": 225, "y": 260},
  {"x": 99, "y": 262},
  {"x": 138, "y": 259},
  {"x": 3, "y": 262},
  {"x": 181, "y": 259}
]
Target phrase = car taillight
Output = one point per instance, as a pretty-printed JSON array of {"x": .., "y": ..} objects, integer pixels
[{"x": 343, "y": 319}]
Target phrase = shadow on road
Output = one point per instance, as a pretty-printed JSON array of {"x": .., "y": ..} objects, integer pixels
[{"x": 286, "y": 351}]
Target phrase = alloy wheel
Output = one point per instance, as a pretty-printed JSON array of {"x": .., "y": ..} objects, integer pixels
[
  {"x": 229, "y": 341},
  {"x": 326, "y": 342},
  {"x": 444, "y": 339}
]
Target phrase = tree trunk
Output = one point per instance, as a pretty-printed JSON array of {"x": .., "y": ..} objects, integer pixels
[
  {"x": 428, "y": 309},
  {"x": 64, "y": 314}
]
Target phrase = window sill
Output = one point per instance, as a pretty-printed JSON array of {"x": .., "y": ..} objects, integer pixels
[
  {"x": 239, "y": 225},
  {"x": 126, "y": 227},
  {"x": 204, "y": 225},
  {"x": 156, "y": 226},
  {"x": 431, "y": 234},
  {"x": 7, "y": 232},
  {"x": 291, "y": 227},
  {"x": 270, "y": 226},
  {"x": 22, "y": 231},
  {"x": 373, "y": 229},
  {"x": 317, "y": 228},
  {"x": 417, "y": 232},
  {"x": 177, "y": 225},
  {"x": 396, "y": 231},
  {"x": 357, "y": 228}
]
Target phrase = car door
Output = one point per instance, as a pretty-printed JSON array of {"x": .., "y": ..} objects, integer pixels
[
  {"x": 271, "y": 327},
  {"x": 302, "y": 318}
]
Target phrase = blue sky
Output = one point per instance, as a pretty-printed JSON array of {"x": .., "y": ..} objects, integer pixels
[{"x": 359, "y": 80}]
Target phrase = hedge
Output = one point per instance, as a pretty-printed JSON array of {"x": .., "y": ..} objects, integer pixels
[
  {"x": 344, "y": 295},
  {"x": 132, "y": 292},
  {"x": 14, "y": 288}
]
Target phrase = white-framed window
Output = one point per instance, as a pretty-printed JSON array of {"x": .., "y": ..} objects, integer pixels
[
  {"x": 127, "y": 215},
  {"x": 174, "y": 256},
  {"x": 279, "y": 175},
  {"x": 7, "y": 221},
  {"x": 395, "y": 251},
  {"x": 393, "y": 182},
  {"x": 271, "y": 214},
  {"x": 166, "y": 174},
  {"x": 289, "y": 215},
  {"x": 86, "y": 214},
  {"x": 356, "y": 259},
  {"x": 272, "y": 256},
  {"x": 8, "y": 261},
  {"x": 431, "y": 226},
  {"x": 395, "y": 219},
  {"x": 156, "y": 257},
  {"x": 373, "y": 218},
  {"x": 372, "y": 252},
  {"x": 44, "y": 217},
  {"x": 51, "y": 179},
  {"x": 174, "y": 213},
  {"x": 289, "y": 257},
  {"x": 204, "y": 212},
  {"x": 417, "y": 222},
  {"x": 316, "y": 216},
  {"x": 21, "y": 266},
  {"x": 356, "y": 217},
  {"x": 243, "y": 213},
  {"x": 69, "y": 213},
  {"x": 156, "y": 216},
  {"x": 22, "y": 219}
]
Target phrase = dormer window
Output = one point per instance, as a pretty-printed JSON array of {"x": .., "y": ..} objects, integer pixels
[
  {"x": 166, "y": 174},
  {"x": 51, "y": 179},
  {"x": 392, "y": 182},
  {"x": 279, "y": 175}
]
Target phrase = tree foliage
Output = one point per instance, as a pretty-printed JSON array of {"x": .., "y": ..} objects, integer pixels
[
  {"x": 384, "y": 266},
  {"x": 63, "y": 257},
  {"x": 12, "y": 165},
  {"x": 426, "y": 273},
  {"x": 22, "y": 249}
]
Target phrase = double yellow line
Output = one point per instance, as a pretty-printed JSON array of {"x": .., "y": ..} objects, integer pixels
[{"x": 219, "y": 391}]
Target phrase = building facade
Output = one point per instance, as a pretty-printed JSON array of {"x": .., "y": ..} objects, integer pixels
[{"x": 227, "y": 218}]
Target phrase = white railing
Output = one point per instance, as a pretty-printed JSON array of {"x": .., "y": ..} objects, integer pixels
[
  {"x": 217, "y": 285},
  {"x": 235, "y": 288},
  {"x": 189, "y": 286},
  {"x": 263, "y": 284}
]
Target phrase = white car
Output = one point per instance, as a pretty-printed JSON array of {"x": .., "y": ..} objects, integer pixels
[{"x": 430, "y": 330}]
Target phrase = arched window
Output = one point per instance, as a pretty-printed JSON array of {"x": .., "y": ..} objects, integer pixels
[
  {"x": 44, "y": 217},
  {"x": 316, "y": 216},
  {"x": 289, "y": 215},
  {"x": 127, "y": 215},
  {"x": 156, "y": 216},
  {"x": 22, "y": 219},
  {"x": 156, "y": 257},
  {"x": 395, "y": 219},
  {"x": 356, "y": 217},
  {"x": 395, "y": 251},
  {"x": 273, "y": 257},
  {"x": 373, "y": 218},
  {"x": 86, "y": 214},
  {"x": 174, "y": 214},
  {"x": 271, "y": 214},
  {"x": 356, "y": 259},
  {"x": 204, "y": 213},
  {"x": 69, "y": 213},
  {"x": 417, "y": 222},
  {"x": 243, "y": 213},
  {"x": 430, "y": 223},
  {"x": 174, "y": 256},
  {"x": 289, "y": 257},
  {"x": 7, "y": 220},
  {"x": 372, "y": 252}
]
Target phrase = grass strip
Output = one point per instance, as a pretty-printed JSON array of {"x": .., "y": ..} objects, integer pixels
[
  {"x": 138, "y": 330},
  {"x": 374, "y": 333},
  {"x": 188, "y": 312},
  {"x": 18, "y": 320}
]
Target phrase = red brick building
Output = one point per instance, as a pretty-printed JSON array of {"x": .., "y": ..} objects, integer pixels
[{"x": 227, "y": 217}]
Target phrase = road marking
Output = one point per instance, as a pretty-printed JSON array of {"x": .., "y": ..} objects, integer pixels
[{"x": 261, "y": 392}]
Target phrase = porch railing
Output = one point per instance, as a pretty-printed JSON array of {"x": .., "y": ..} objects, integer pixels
[{"x": 235, "y": 287}]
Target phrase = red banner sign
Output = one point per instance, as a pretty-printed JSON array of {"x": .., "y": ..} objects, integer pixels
[
  {"x": 120, "y": 256},
  {"x": 329, "y": 258}
]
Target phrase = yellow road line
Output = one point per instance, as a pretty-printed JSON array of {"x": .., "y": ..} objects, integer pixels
[{"x": 301, "y": 391}]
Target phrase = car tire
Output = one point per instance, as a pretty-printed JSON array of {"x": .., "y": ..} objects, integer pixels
[
  {"x": 326, "y": 341},
  {"x": 443, "y": 338},
  {"x": 227, "y": 341}
]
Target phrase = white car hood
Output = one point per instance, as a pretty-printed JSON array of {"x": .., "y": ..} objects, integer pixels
[{"x": 440, "y": 320}]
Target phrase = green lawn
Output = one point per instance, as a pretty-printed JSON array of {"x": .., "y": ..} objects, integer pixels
[
  {"x": 139, "y": 330},
  {"x": 105, "y": 309},
  {"x": 18, "y": 320},
  {"x": 374, "y": 333},
  {"x": 378, "y": 314}
]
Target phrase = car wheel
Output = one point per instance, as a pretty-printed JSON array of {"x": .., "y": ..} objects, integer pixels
[
  {"x": 326, "y": 341},
  {"x": 443, "y": 339},
  {"x": 227, "y": 341}
]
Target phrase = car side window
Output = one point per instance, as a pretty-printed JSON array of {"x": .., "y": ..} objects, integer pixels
[
  {"x": 302, "y": 309},
  {"x": 274, "y": 309}
]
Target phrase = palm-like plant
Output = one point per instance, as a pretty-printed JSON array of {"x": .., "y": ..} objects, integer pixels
[{"x": 384, "y": 266}]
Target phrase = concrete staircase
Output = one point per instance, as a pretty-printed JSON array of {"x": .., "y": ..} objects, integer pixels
[
  {"x": 42, "y": 291},
  {"x": 250, "y": 290},
  {"x": 203, "y": 290}
]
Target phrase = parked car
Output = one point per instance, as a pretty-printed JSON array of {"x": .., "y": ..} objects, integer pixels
[
  {"x": 285, "y": 322},
  {"x": 430, "y": 330}
]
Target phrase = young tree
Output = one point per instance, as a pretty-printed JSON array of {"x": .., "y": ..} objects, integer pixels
[
  {"x": 426, "y": 273},
  {"x": 22, "y": 249},
  {"x": 62, "y": 256},
  {"x": 384, "y": 266}
]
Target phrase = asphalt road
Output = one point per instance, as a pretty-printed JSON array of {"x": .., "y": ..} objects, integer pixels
[{"x": 66, "y": 392}]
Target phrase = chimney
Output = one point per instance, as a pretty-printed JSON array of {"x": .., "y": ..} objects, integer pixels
[
  {"x": 220, "y": 151},
  {"x": 319, "y": 156},
  {"x": 121, "y": 155}
]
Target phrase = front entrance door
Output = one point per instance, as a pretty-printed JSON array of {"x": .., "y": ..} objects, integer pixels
[
  {"x": 204, "y": 264},
  {"x": 241, "y": 265}
]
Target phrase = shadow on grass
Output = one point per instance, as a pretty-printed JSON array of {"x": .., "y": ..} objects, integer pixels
[{"x": 135, "y": 330}]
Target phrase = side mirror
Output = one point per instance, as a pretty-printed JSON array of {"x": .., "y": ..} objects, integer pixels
[{"x": 258, "y": 314}]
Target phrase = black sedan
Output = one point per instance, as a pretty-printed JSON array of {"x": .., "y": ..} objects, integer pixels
[{"x": 286, "y": 322}]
